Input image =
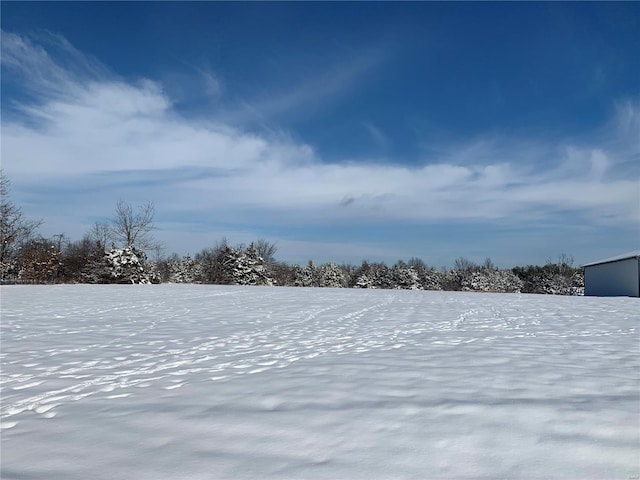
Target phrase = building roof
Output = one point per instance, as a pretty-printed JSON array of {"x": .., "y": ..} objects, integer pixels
[{"x": 624, "y": 256}]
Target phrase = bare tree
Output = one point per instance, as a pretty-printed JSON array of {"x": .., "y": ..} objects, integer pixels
[
  {"x": 15, "y": 229},
  {"x": 210, "y": 260},
  {"x": 266, "y": 250},
  {"x": 488, "y": 264},
  {"x": 417, "y": 263},
  {"x": 133, "y": 228},
  {"x": 78, "y": 257},
  {"x": 158, "y": 252},
  {"x": 463, "y": 264},
  {"x": 41, "y": 261},
  {"x": 564, "y": 265},
  {"x": 102, "y": 234}
]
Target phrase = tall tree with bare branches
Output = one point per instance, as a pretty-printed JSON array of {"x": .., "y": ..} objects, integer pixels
[
  {"x": 132, "y": 228},
  {"x": 15, "y": 229},
  {"x": 266, "y": 250},
  {"x": 102, "y": 234}
]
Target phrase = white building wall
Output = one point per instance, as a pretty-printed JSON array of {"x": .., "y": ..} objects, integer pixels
[{"x": 621, "y": 278}]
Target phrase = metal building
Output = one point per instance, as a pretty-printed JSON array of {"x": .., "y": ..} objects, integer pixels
[{"x": 615, "y": 276}]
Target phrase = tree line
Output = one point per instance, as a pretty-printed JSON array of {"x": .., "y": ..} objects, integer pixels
[{"x": 118, "y": 251}]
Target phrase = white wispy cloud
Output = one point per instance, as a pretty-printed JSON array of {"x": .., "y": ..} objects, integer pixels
[
  {"x": 90, "y": 131},
  {"x": 326, "y": 85},
  {"x": 50, "y": 68},
  {"x": 378, "y": 137}
]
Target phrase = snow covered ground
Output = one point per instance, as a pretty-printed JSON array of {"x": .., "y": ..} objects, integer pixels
[{"x": 201, "y": 382}]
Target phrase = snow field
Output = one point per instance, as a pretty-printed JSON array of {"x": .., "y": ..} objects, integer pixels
[{"x": 195, "y": 381}]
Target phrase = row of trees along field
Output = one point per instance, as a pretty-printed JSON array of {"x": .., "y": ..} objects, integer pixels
[{"x": 119, "y": 251}]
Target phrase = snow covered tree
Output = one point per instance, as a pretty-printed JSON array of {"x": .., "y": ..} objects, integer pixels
[
  {"x": 243, "y": 267},
  {"x": 363, "y": 281},
  {"x": 330, "y": 275},
  {"x": 122, "y": 265},
  {"x": 183, "y": 270},
  {"x": 305, "y": 276},
  {"x": 552, "y": 278},
  {"x": 577, "y": 283},
  {"x": 225, "y": 265},
  {"x": 428, "y": 277},
  {"x": 486, "y": 280},
  {"x": 404, "y": 277},
  {"x": 379, "y": 275},
  {"x": 361, "y": 276},
  {"x": 460, "y": 275},
  {"x": 370, "y": 275},
  {"x": 251, "y": 268}
]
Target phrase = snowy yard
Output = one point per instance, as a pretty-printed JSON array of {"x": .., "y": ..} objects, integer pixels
[{"x": 201, "y": 382}]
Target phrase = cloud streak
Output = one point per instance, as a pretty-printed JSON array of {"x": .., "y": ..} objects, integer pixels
[
  {"x": 90, "y": 129},
  {"x": 378, "y": 137}
]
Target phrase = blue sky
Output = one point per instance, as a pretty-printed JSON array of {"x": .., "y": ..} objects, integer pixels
[{"x": 341, "y": 131}]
